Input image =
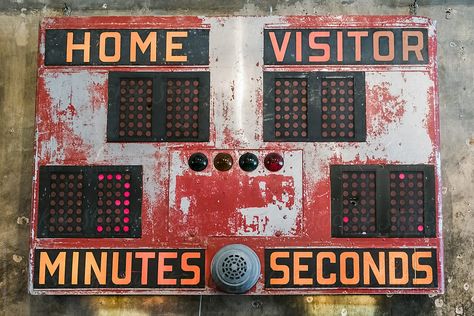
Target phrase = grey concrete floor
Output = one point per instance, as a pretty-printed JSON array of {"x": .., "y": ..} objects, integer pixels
[{"x": 18, "y": 49}]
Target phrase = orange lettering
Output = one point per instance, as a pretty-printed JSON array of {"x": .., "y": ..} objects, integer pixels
[
  {"x": 392, "y": 256},
  {"x": 91, "y": 264},
  {"x": 356, "y": 270},
  {"x": 150, "y": 42},
  {"x": 370, "y": 266},
  {"x": 162, "y": 268},
  {"x": 391, "y": 46},
  {"x": 319, "y": 267},
  {"x": 322, "y": 46},
  {"x": 74, "y": 267},
  {"x": 145, "y": 256},
  {"x": 299, "y": 44},
  {"x": 412, "y": 48},
  {"x": 422, "y": 267},
  {"x": 340, "y": 47},
  {"x": 279, "y": 51},
  {"x": 85, "y": 47},
  {"x": 279, "y": 267},
  {"x": 190, "y": 268},
  {"x": 298, "y": 267},
  {"x": 102, "y": 41},
  {"x": 58, "y": 264},
  {"x": 357, "y": 35},
  {"x": 128, "y": 269},
  {"x": 170, "y": 46}
]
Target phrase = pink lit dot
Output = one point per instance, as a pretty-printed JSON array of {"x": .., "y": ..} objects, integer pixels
[
  {"x": 345, "y": 219},
  {"x": 100, "y": 228},
  {"x": 118, "y": 176},
  {"x": 126, "y": 194},
  {"x": 109, "y": 177},
  {"x": 125, "y": 228},
  {"x": 126, "y": 219},
  {"x": 126, "y": 211},
  {"x": 401, "y": 176},
  {"x": 117, "y": 228},
  {"x": 117, "y": 202},
  {"x": 126, "y": 202},
  {"x": 420, "y": 228},
  {"x": 101, "y": 177},
  {"x": 127, "y": 185}
]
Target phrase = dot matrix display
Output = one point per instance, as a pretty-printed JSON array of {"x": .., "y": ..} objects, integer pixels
[
  {"x": 337, "y": 107},
  {"x": 135, "y": 116},
  {"x": 314, "y": 107},
  {"x": 407, "y": 202},
  {"x": 113, "y": 203},
  {"x": 158, "y": 107},
  {"x": 291, "y": 108},
  {"x": 65, "y": 213},
  {"x": 358, "y": 200},
  {"x": 90, "y": 201},
  {"x": 383, "y": 201},
  {"x": 182, "y": 108}
]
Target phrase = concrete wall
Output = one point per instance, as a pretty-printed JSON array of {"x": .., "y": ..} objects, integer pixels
[{"x": 18, "y": 47}]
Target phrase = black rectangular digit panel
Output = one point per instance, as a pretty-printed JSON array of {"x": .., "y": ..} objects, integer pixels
[
  {"x": 90, "y": 201},
  {"x": 383, "y": 201},
  {"x": 314, "y": 107},
  {"x": 158, "y": 107}
]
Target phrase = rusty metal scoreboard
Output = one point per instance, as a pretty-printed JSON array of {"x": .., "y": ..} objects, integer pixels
[{"x": 244, "y": 155}]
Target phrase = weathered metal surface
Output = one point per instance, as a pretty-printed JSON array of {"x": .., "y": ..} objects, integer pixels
[{"x": 183, "y": 210}]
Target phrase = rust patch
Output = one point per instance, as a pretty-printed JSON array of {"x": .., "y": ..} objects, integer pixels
[{"x": 383, "y": 110}]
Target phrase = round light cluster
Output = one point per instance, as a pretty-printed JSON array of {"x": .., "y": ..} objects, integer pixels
[
  {"x": 198, "y": 162},
  {"x": 248, "y": 162},
  {"x": 291, "y": 108},
  {"x": 182, "y": 108},
  {"x": 223, "y": 162},
  {"x": 358, "y": 212},
  {"x": 65, "y": 203},
  {"x": 337, "y": 108},
  {"x": 407, "y": 202},
  {"x": 274, "y": 162},
  {"x": 113, "y": 203},
  {"x": 135, "y": 118}
]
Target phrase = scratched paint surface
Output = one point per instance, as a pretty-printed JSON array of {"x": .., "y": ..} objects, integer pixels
[
  {"x": 259, "y": 203},
  {"x": 180, "y": 208}
]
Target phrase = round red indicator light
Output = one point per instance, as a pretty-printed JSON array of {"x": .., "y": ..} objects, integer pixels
[
  {"x": 273, "y": 162},
  {"x": 223, "y": 162}
]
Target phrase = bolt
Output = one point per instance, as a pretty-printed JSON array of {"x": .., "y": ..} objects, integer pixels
[
  {"x": 17, "y": 258},
  {"x": 257, "y": 304}
]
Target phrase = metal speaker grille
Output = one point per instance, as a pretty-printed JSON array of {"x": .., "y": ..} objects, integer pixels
[
  {"x": 135, "y": 116},
  {"x": 407, "y": 202},
  {"x": 65, "y": 215},
  {"x": 182, "y": 108},
  {"x": 113, "y": 203},
  {"x": 235, "y": 268},
  {"x": 358, "y": 200},
  {"x": 291, "y": 108},
  {"x": 337, "y": 108}
]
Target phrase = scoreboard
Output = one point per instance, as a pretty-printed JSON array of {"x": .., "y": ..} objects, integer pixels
[{"x": 243, "y": 155}]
